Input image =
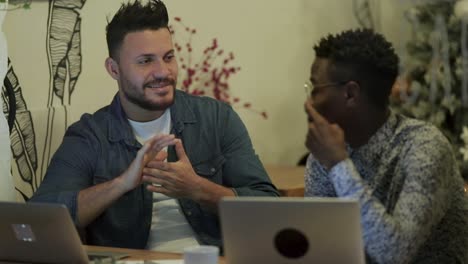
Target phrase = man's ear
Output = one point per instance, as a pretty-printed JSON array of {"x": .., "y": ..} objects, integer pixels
[
  {"x": 112, "y": 68},
  {"x": 352, "y": 93}
]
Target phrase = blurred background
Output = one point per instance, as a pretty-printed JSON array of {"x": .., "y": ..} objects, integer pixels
[{"x": 259, "y": 55}]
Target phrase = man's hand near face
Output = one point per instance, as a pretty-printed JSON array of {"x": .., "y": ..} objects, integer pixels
[{"x": 325, "y": 141}]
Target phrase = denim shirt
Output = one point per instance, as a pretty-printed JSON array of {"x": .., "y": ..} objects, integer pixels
[{"x": 100, "y": 147}]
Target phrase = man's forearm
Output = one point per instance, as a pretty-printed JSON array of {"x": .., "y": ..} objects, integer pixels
[
  {"x": 211, "y": 193},
  {"x": 96, "y": 199}
]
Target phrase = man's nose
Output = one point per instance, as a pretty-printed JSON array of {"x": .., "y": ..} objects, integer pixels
[{"x": 160, "y": 69}]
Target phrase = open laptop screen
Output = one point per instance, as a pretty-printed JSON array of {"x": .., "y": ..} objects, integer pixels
[
  {"x": 39, "y": 233},
  {"x": 291, "y": 230}
]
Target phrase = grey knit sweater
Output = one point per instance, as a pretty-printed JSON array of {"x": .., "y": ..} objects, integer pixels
[{"x": 413, "y": 209}]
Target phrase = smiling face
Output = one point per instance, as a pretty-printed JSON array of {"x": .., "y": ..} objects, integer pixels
[{"x": 146, "y": 71}]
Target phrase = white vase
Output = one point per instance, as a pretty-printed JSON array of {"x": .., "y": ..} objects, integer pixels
[{"x": 7, "y": 191}]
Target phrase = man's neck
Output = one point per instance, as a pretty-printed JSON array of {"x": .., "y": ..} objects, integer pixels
[
  {"x": 138, "y": 114},
  {"x": 144, "y": 116},
  {"x": 367, "y": 123}
]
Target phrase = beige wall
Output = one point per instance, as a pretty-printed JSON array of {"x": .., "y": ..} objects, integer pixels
[{"x": 271, "y": 39}]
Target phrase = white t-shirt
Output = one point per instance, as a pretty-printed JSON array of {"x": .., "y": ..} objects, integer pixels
[{"x": 170, "y": 230}]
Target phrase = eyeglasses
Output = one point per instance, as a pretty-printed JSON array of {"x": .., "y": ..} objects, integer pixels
[{"x": 310, "y": 87}]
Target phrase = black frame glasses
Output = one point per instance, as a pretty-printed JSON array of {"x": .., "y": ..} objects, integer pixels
[{"x": 309, "y": 86}]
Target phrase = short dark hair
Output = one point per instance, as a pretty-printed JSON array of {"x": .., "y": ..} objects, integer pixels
[
  {"x": 363, "y": 56},
  {"x": 134, "y": 17}
]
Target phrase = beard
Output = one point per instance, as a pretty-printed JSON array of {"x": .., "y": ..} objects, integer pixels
[{"x": 131, "y": 93}]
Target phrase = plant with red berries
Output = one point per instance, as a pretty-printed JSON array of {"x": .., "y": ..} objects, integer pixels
[{"x": 210, "y": 75}]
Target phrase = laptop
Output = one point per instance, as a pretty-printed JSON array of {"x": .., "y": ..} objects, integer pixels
[
  {"x": 290, "y": 230},
  {"x": 39, "y": 233}
]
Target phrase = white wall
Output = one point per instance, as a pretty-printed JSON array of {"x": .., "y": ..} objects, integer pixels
[
  {"x": 7, "y": 192},
  {"x": 271, "y": 39}
]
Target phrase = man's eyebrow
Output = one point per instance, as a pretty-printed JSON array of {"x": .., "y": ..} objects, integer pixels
[{"x": 145, "y": 55}]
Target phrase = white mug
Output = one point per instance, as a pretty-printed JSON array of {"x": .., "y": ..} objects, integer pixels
[{"x": 201, "y": 255}]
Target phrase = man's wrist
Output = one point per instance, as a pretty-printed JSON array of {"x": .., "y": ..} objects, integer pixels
[
  {"x": 201, "y": 191},
  {"x": 210, "y": 193},
  {"x": 121, "y": 185},
  {"x": 331, "y": 164}
]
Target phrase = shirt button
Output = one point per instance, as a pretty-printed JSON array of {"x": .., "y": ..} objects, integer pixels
[
  {"x": 189, "y": 212},
  {"x": 213, "y": 169}
]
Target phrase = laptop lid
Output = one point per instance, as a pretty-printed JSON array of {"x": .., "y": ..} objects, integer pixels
[
  {"x": 291, "y": 230},
  {"x": 39, "y": 233}
]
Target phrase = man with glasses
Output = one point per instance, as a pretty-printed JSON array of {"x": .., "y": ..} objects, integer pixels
[{"x": 401, "y": 170}]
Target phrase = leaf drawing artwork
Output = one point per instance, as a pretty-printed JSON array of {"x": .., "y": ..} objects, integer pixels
[
  {"x": 65, "y": 61},
  {"x": 23, "y": 142}
]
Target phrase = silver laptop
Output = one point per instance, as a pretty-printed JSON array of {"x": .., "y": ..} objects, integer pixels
[
  {"x": 38, "y": 233},
  {"x": 291, "y": 230}
]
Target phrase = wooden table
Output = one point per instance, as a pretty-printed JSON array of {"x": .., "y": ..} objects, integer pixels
[
  {"x": 140, "y": 254},
  {"x": 288, "y": 179}
]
